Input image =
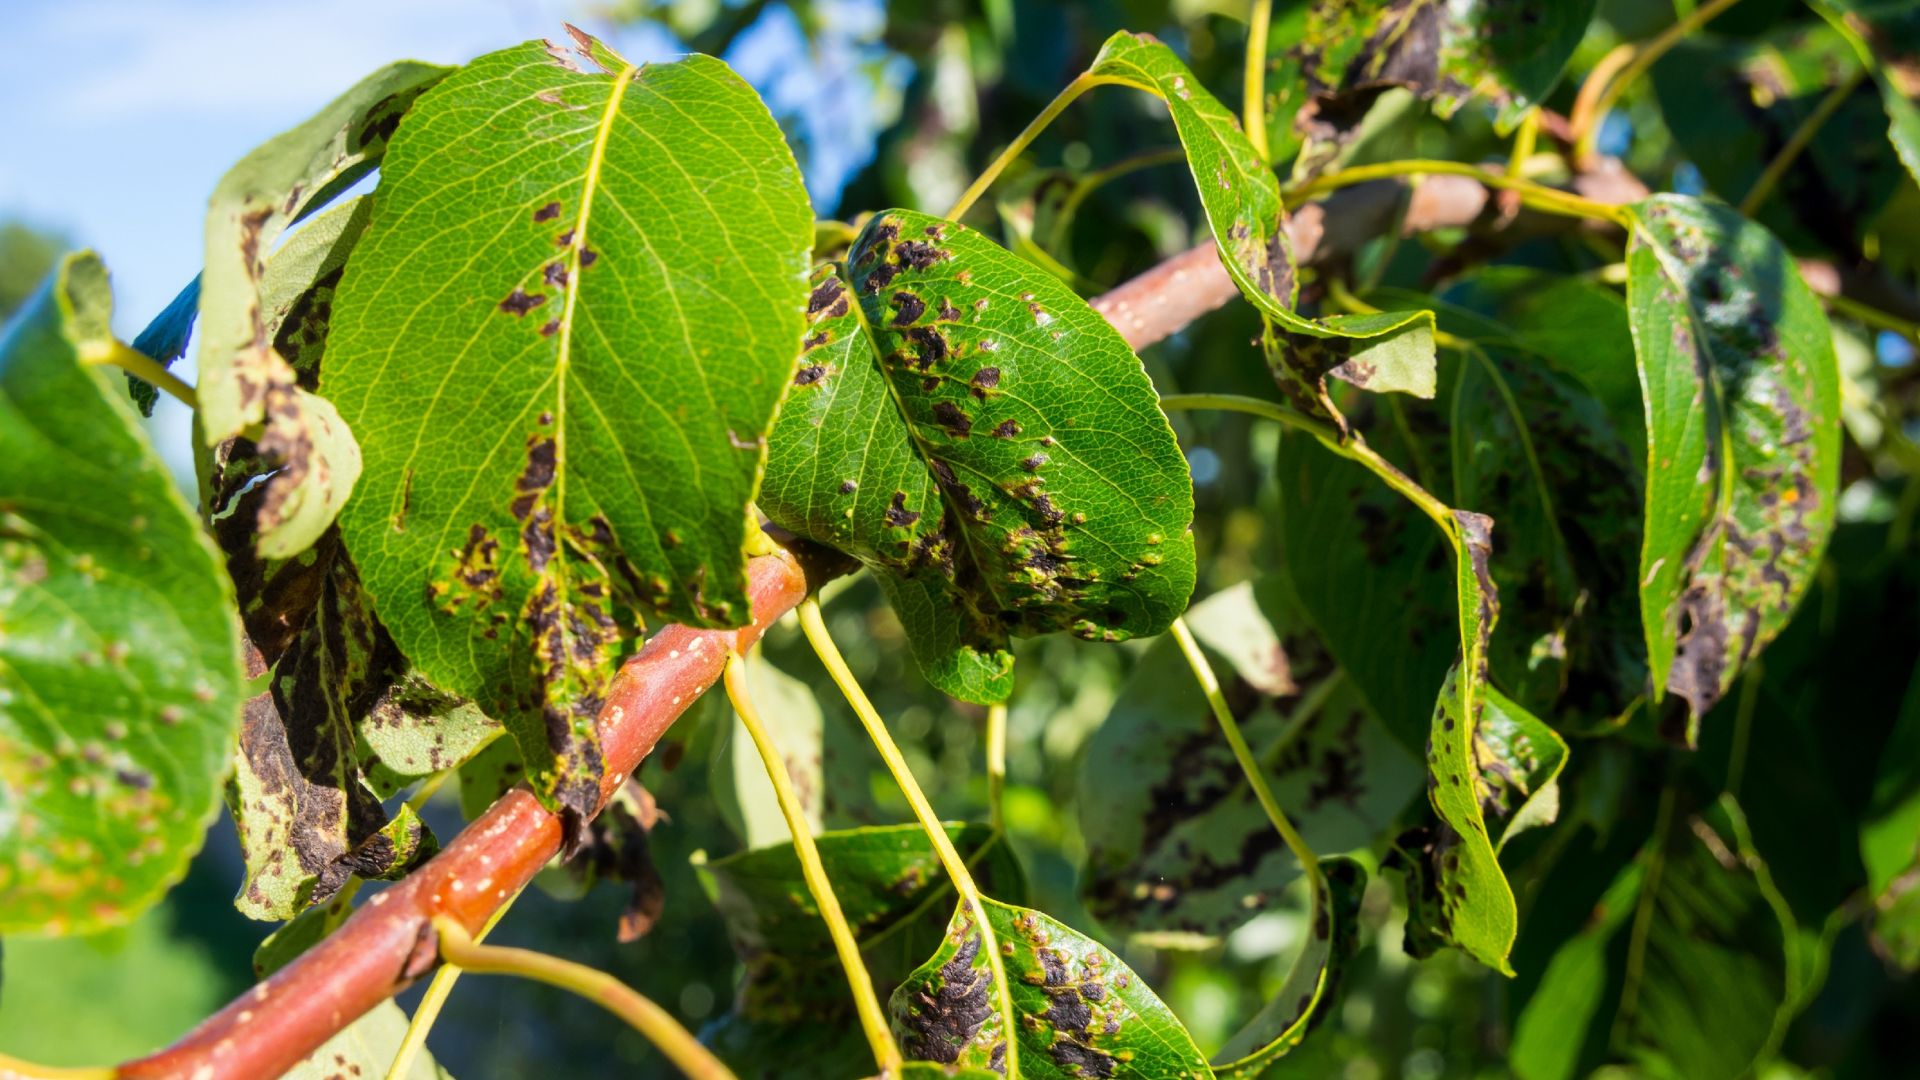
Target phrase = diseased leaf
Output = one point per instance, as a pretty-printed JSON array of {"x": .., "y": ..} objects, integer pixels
[
  {"x": 244, "y": 381},
  {"x": 1366, "y": 572},
  {"x": 1743, "y": 456},
  {"x": 1533, "y": 447},
  {"x": 1329, "y": 59},
  {"x": 564, "y": 431},
  {"x": 1312, "y": 988},
  {"x": 298, "y": 287},
  {"x": 988, "y": 445},
  {"x": 1177, "y": 847},
  {"x": 415, "y": 729},
  {"x": 120, "y": 679},
  {"x": 1387, "y": 351},
  {"x": 366, "y": 1048},
  {"x": 1081, "y": 1011},
  {"x": 793, "y": 1003},
  {"x": 307, "y": 818}
]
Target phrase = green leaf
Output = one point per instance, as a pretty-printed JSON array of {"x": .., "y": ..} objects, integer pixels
[
  {"x": 366, "y": 1048},
  {"x": 1886, "y": 36},
  {"x": 1367, "y": 572},
  {"x": 985, "y": 442},
  {"x": 1579, "y": 326},
  {"x": 120, "y": 679},
  {"x": 562, "y": 366},
  {"x": 793, "y": 1002},
  {"x": 1732, "y": 104},
  {"x": 1325, "y": 56},
  {"x": 1388, "y": 351},
  {"x": 1489, "y": 760},
  {"x": 1536, "y": 449},
  {"x": 1687, "y": 962},
  {"x": 244, "y": 381},
  {"x": 1313, "y": 983},
  {"x": 1081, "y": 1011},
  {"x": 1743, "y": 455},
  {"x": 1177, "y": 847}
]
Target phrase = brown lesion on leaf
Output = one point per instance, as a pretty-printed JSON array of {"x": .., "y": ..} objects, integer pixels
[
  {"x": 897, "y": 514},
  {"x": 520, "y": 301},
  {"x": 952, "y": 419},
  {"x": 948, "y": 1010},
  {"x": 548, "y": 212},
  {"x": 907, "y": 308}
]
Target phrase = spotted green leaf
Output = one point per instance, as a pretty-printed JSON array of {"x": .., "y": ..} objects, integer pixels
[
  {"x": 966, "y": 426},
  {"x": 1178, "y": 849},
  {"x": 1078, "y": 1009},
  {"x": 244, "y": 382},
  {"x": 1312, "y": 988},
  {"x": 1324, "y": 55},
  {"x": 792, "y": 1003},
  {"x": 120, "y": 680},
  {"x": 562, "y": 342},
  {"x": 1386, "y": 351},
  {"x": 1742, "y": 392},
  {"x": 1488, "y": 780}
]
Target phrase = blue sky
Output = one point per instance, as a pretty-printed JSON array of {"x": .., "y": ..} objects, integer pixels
[{"x": 127, "y": 112}]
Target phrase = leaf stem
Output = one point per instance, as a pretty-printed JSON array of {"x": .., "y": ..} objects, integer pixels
[
  {"x": 1873, "y": 317},
  {"x": 115, "y": 353},
  {"x": 1254, "y": 79},
  {"x": 457, "y": 947},
  {"x": 1523, "y": 144},
  {"x": 436, "y": 998},
  {"x": 1581, "y": 117},
  {"x": 1538, "y": 196},
  {"x": 873, "y": 1021},
  {"x": 1223, "y": 714},
  {"x": 1354, "y": 449},
  {"x": 1797, "y": 142},
  {"x": 996, "y": 764},
  {"x": 815, "y": 628},
  {"x": 1064, "y": 98},
  {"x": 1587, "y": 127}
]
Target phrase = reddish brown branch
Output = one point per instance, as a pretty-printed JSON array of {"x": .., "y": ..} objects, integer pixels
[{"x": 386, "y": 944}]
